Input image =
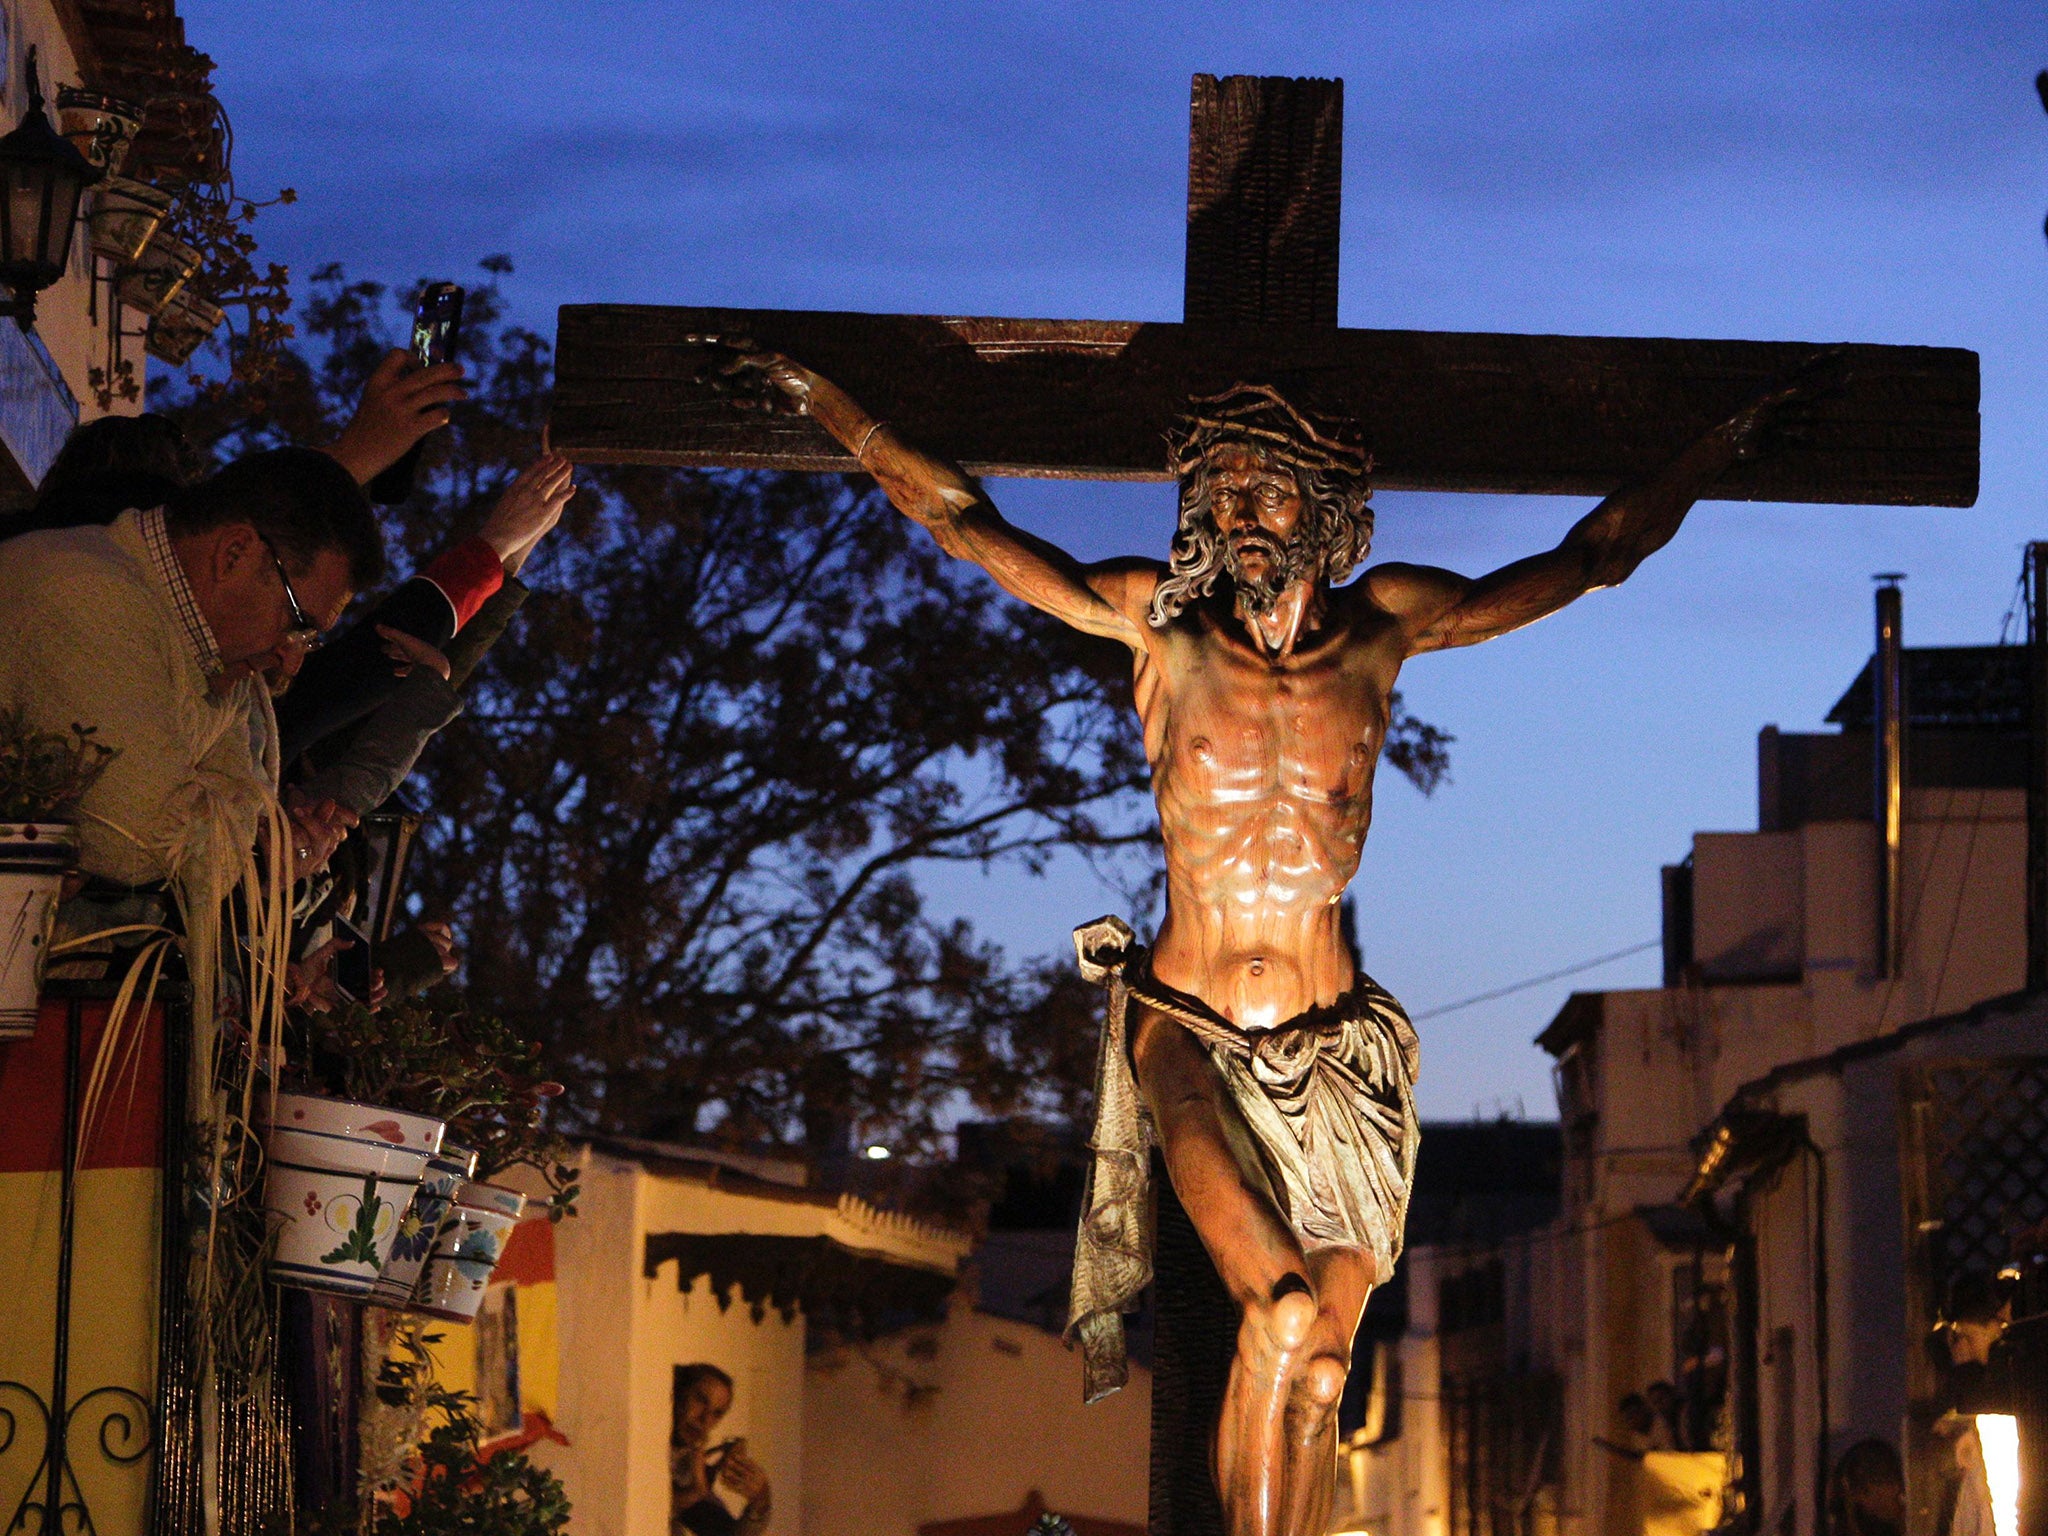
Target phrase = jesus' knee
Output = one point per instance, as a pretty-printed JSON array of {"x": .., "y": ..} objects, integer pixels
[
  {"x": 1285, "y": 1318},
  {"x": 1312, "y": 1400}
]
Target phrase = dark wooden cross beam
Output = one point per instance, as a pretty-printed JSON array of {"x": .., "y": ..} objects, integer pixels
[{"x": 1093, "y": 399}]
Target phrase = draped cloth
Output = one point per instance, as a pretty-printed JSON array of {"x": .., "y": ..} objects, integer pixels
[{"x": 1328, "y": 1098}]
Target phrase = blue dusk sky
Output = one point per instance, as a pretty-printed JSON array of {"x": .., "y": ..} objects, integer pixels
[{"x": 1780, "y": 171}]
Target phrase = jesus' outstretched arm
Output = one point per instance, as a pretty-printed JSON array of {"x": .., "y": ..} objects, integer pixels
[
  {"x": 1107, "y": 599},
  {"x": 1438, "y": 609}
]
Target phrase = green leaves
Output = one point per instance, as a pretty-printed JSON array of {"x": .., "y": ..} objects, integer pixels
[
  {"x": 459, "y": 1492},
  {"x": 441, "y": 1055}
]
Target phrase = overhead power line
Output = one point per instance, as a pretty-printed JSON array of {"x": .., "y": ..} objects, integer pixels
[{"x": 1536, "y": 981}]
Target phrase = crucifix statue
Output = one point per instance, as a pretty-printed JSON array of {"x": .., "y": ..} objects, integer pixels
[{"x": 1244, "y": 1043}]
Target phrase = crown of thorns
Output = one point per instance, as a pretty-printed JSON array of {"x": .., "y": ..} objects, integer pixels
[{"x": 1260, "y": 417}]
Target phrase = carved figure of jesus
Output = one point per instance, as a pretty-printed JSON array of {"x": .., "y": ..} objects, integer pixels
[{"x": 1277, "y": 1079}]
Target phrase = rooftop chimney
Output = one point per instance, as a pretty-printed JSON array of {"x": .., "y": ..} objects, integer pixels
[{"x": 1889, "y": 734}]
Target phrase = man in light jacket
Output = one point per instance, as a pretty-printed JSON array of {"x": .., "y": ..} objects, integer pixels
[{"x": 156, "y": 631}]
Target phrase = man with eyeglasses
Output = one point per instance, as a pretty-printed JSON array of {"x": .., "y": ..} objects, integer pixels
[{"x": 165, "y": 631}]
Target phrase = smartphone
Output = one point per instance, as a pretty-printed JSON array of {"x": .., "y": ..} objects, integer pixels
[
  {"x": 352, "y": 965},
  {"x": 436, "y": 325}
]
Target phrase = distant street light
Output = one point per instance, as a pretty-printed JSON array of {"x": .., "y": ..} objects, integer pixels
[
  {"x": 42, "y": 177},
  {"x": 877, "y": 1153}
]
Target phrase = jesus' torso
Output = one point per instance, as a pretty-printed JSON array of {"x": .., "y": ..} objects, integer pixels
[{"x": 1262, "y": 768}]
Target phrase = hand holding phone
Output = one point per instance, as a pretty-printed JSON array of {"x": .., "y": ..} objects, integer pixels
[
  {"x": 436, "y": 328},
  {"x": 400, "y": 404}
]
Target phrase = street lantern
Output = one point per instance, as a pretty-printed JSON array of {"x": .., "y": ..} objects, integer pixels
[{"x": 42, "y": 177}]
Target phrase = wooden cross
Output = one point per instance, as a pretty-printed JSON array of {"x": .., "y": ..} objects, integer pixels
[{"x": 1093, "y": 399}]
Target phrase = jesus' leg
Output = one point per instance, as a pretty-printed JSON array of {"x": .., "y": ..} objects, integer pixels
[
  {"x": 1291, "y": 1356},
  {"x": 1343, "y": 1278}
]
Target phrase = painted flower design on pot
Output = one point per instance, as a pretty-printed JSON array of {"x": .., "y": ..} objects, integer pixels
[
  {"x": 359, "y": 1244},
  {"x": 476, "y": 1255},
  {"x": 416, "y": 1231},
  {"x": 312, "y": 1203}
]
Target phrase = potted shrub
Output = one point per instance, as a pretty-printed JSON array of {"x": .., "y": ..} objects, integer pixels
[
  {"x": 338, "y": 1175},
  {"x": 100, "y": 126},
  {"x": 503, "y": 1120},
  {"x": 43, "y": 775},
  {"x": 178, "y": 329},
  {"x": 434, "y": 1055},
  {"x": 346, "y": 1152},
  {"x": 447, "y": 1171},
  {"x": 125, "y": 214}
]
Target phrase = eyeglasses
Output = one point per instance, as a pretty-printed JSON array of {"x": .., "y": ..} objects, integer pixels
[{"x": 303, "y": 631}]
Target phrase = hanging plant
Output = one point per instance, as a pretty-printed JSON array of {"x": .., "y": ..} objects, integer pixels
[
  {"x": 435, "y": 1055},
  {"x": 229, "y": 284},
  {"x": 231, "y": 281}
]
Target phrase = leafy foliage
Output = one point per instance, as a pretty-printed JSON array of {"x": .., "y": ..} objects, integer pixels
[
  {"x": 459, "y": 1491},
  {"x": 506, "y": 1495},
  {"x": 43, "y": 774},
  {"x": 191, "y": 148},
  {"x": 437, "y": 1055}
]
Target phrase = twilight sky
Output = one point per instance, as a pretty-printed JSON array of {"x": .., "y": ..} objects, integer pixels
[{"x": 1782, "y": 171}]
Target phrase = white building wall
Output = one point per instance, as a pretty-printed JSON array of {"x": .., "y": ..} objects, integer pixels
[
  {"x": 967, "y": 1418},
  {"x": 64, "y": 320},
  {"x": 622, "y": 1333}
]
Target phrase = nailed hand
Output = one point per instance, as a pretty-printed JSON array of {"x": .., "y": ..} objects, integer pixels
[
  {"x": 1785, "y": 415},
  {"x": 753, "y": 378}
]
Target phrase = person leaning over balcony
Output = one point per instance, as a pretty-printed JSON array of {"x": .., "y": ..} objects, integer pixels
[
  {"x": 156, "y": 631},
  {"x": 358, "y": 767},
  {"x": 384, "y": 656}
]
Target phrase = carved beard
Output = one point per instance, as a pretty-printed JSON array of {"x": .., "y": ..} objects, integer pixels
[{"x": 1285, "y": 564}]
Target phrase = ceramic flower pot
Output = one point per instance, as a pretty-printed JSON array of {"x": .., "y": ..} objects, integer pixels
[
  {"x": 153, "y": 279},
  {"x": 421, "y": 1224},
  {"x": 34, "y": 857},
  {"x": 100, "y": 126},
  {"x": 337, "y": 1177},
  {"x": 178, "y": 329},
  {"x": 125, "y": 214},
  {"x": 467, "y": 1250},
  {"x": 358, "y": 1122}
]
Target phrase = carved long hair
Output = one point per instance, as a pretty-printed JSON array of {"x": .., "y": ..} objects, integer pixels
[{"x": 1331, "y": 469}]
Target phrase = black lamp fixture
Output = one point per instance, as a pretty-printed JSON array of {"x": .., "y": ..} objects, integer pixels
[{"x": 42, "y": 177}]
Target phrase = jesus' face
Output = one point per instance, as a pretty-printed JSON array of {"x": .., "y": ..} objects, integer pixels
[{"x": 1258, "y": 511}]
